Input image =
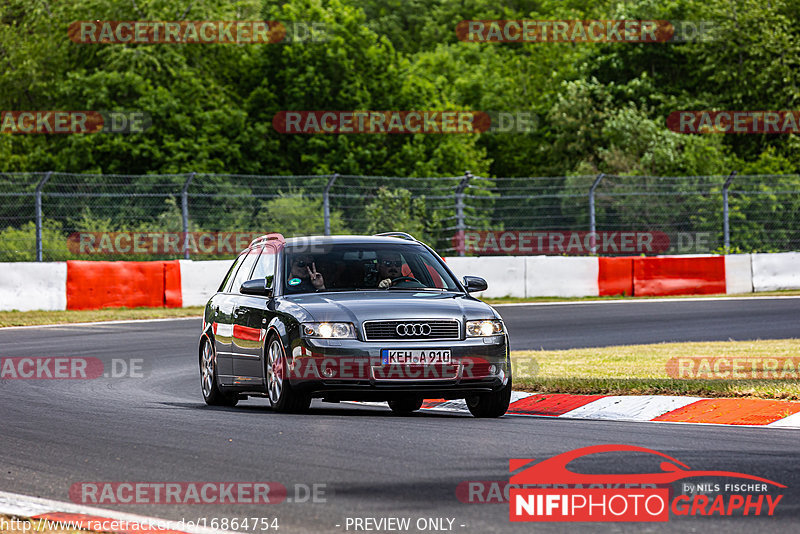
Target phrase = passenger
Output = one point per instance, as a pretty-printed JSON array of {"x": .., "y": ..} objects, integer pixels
[{"x": 303, "y": 276}]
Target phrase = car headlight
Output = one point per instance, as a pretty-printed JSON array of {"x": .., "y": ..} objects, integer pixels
[
  {"x": 328, "y": 330},
  {"x": 488, "y": 327}
]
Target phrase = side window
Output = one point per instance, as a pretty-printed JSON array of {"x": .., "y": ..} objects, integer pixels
[
  {"x": 242, "y": 274},
  {"x": 231, "y": 272},
  {"x": 265, "y": 266}
]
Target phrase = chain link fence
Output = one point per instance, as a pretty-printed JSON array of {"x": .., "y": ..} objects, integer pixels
[{"x": 50, "y": 216}]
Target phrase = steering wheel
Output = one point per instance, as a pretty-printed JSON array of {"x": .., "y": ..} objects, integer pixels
[{"x": 401, "y": 279}]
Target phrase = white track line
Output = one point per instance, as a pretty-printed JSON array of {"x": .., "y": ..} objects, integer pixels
[
  {"x": 26, "y": 506},
  {"x": 642, "y": 300},
  {"x": 100, "y": 323}
]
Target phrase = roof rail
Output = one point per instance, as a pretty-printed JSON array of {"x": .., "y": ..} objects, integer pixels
[
  {"x": 267, "y": 237},
  {"x": 401, "y": 235}
]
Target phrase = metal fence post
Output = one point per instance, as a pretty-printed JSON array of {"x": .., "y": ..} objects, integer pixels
[
  {"x": 461, "y": 225},
  {"x": 326, "y": 203},
  {"x": 592, "y": 221},
  {"x": 38, "y": 196},
  {"x": 185, "y": 213},
  {"x": 726, "y": 227}
]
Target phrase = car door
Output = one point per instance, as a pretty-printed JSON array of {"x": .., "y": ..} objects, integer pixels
[
  {"x": 222, "y": 323},
  {"x": 243, "y": 337},
  {"x": 251, "y": 322}
]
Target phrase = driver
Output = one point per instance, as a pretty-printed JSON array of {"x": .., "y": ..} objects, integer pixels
[{"x": 390, "y": 266}]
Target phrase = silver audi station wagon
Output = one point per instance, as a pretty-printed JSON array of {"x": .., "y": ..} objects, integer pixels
[{"x": 370, "y": 318}]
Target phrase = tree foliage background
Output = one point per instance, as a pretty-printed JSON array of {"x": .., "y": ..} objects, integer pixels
[{"x": 600, "y": 107}]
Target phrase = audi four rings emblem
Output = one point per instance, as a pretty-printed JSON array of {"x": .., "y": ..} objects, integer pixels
[{"x": 410, "y": 329}]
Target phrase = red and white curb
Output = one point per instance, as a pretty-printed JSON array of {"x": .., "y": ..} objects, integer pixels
[
  {"x": 655, "y": 408},
  {"x": 76, "y": 516}
]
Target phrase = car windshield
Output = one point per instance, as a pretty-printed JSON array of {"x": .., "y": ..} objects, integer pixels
[{"x": 361, "y": 267}]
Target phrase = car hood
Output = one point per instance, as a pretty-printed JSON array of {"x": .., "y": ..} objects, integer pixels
[{"x": 359, "y": 306}]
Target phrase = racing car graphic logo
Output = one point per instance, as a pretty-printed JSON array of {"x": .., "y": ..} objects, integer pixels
[{"x": 577, "y": 496}]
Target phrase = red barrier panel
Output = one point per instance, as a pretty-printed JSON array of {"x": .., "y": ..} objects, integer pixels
[
  {"x": 615, "y": 276},
  {"x": 672, "y": 275},
  {"x": 173, "y": 296},
  {"x": 93, "y": 285}
]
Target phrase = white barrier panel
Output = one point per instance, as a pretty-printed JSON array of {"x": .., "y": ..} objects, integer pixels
[
  {"x": 558, "y": 276},
  {"x": 738, "y": 274},
  {"x": 201, "y": 279},
  {"x": 33, "y": 286},
  {"x": 504, "y": 274},
  {"x": 776, "y": 271}
]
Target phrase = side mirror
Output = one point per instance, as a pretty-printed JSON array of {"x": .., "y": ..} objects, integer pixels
[
  {"x": 261, "y": 287},
  {"x": 475, "y": 283}
]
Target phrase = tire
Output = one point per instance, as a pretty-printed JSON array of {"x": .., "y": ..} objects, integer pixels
[
  {"x": 208, "y": 378},
  {"x": 282, "y": 396},
  {"x": 490, "y": 404},
  {"x": 406, "y": 405}
]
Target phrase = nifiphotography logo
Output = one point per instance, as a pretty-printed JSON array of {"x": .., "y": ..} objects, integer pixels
[{"x": 549, "y": 491}]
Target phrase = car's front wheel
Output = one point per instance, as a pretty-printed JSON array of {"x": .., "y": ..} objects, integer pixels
[
  {"x": 282, "y": 396},
  {"x": 406, "y": 405},
  {"x": 492, "y": 404},
  {"x": 208, "y": 378}
]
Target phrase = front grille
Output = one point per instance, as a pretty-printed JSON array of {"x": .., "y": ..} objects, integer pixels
[{"x": 439, "y": 330}]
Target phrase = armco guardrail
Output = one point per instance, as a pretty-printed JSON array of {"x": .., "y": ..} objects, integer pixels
[{"x": 96, "y": 284}]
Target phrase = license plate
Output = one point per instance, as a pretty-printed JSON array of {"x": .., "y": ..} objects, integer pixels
[{"x": 415, "y": 356}]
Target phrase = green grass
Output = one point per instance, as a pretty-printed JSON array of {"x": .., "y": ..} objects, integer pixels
[
  {"x": 513, "y": 300},
  {"x": 641, "y": 370},
  {"x": 26, "y": 318}
]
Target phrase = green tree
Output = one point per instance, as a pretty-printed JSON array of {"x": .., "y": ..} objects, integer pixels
[
  {"x": 296, "y": 214},
  {"x": 395, "y": 210}
]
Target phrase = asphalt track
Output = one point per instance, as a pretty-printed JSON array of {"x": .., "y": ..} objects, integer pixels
[
  {"x": 625, "y": 322},
  {"x": 156, "y": 429}
]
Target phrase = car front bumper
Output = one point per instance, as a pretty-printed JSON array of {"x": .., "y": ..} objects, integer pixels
[{"x": 351, "y": 369}]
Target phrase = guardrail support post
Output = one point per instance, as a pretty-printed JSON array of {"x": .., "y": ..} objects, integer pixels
[
  {"x": 461, "y": 225},
  {"x": 38, "y": 196},
  {"x": 185, "y": 213},
  {"x": 326, "y": 203},
  {"x": 592, "y": 221},
  {"x": 726, "y": 227}
]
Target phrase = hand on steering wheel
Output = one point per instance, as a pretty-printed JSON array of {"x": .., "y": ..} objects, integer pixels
[{"x": 391, "y": 282}]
